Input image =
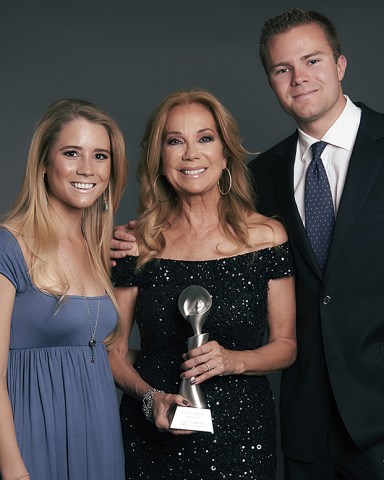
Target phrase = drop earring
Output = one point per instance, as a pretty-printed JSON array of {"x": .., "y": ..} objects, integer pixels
[{"x": 106, "y": 206}]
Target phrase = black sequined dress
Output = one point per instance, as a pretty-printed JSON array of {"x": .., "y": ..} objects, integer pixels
[{"x": 243, "y": 412}]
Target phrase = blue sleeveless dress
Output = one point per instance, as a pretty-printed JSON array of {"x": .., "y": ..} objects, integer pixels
[{"x": 64, "y": 406}]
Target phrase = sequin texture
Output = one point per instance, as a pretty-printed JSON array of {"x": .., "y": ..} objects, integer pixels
[{"x": 243, "y": 412}]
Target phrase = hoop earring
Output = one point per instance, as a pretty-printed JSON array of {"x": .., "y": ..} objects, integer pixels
[
  {"x": 155, "y": 191},
  {"x": 229, "y": 180}
]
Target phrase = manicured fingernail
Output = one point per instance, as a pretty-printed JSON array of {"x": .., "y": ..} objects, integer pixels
[
  {"x": 186, "y": 403},
  {"x": 193, "y": 381}
]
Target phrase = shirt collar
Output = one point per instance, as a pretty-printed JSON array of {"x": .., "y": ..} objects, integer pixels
[{"x": 341, "y": 134}]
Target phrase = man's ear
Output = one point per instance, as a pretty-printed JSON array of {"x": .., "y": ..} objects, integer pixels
[{"x": 341, "y": 66}]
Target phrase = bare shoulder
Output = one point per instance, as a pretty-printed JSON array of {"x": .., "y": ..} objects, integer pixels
[{"x": 266, "y": 232}]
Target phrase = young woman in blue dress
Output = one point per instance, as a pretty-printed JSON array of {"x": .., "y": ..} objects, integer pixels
[{"x": 58, "y": 409}]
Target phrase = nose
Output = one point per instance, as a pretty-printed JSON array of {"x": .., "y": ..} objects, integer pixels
[
  {"x": 191, "y": 152},
  {"x": 85, "y": 166},
  {"x": 298, "y": 76}
]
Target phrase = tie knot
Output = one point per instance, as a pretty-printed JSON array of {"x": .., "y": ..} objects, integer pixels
[{"x": 317, "y": 149}]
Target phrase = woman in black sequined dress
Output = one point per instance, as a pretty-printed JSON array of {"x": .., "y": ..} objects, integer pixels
[{"x": 198, "y": 227}]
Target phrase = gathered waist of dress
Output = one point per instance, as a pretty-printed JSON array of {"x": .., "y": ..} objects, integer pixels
[{"x": 47, "y": 348}]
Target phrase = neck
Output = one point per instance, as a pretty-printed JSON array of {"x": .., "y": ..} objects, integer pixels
[
  {"x": 68, "y": 227},
  {"x": 198, "y": 212}
]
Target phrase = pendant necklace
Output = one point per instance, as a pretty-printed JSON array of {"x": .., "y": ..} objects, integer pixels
[{"x": 92, "y": 341}]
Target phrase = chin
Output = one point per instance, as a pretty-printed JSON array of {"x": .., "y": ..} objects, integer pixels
[
  {"x": 85, "y": 203},
  {"x": 306, "y": 115}
]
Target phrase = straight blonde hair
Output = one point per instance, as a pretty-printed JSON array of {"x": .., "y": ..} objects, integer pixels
[{"x": 31, "y": 217}]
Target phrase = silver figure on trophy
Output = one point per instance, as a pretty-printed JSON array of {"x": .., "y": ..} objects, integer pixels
[{"x": 194, "y": 304}]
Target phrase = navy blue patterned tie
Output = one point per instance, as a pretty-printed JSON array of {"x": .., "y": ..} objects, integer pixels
[{"x": 319, "y": 211}]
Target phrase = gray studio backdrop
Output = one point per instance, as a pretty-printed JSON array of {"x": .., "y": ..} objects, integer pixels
[{"x": 126, "y": 55}]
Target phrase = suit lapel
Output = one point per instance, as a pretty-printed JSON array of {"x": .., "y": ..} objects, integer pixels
[
  {"x": 367, "y": 157},
  {"x": 282, "y": 176}
]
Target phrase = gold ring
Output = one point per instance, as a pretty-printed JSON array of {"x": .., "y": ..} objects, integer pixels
[{"x": 208, "y": 367}]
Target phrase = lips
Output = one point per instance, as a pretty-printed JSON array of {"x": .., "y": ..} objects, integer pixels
[
  {"x": 196, "y": 171},
  {"x": 83, "y": 186},
  {"x": 304, "y": 94}
]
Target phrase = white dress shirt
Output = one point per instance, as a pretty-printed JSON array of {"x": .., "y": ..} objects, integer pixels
[{"x": 341, "y": 139}]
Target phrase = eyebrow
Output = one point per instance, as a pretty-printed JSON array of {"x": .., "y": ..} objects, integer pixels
[
  {"x": 77, "y": 147},
  {"x": 202, "y": 130},
  {"x": 304, "y": 57},
  {"x": 312, "y": 54}
]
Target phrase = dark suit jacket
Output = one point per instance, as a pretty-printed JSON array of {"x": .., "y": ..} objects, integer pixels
[{"x": 340, "y": 315}]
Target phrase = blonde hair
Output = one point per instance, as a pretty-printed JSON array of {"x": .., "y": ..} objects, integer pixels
[
  {"x": 158, "y": 200},
  {"x": 31, "y": 217}
]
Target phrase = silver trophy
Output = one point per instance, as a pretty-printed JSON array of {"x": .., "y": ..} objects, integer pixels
[{"x": 194, "y": 304}]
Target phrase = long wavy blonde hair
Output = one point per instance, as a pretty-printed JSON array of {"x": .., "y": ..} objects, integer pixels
[
  {"x": 31, "y": 217},
  {"x": 158, "y": 200}
]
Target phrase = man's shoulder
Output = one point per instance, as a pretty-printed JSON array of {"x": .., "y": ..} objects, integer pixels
[
  {"x": 369, "y": 111},
  {"x": 372, "y": 121},
  {"x": 279, "y": 150}
]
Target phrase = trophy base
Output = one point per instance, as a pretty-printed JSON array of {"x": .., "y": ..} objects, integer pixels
[{"x": 193, "y": 419}]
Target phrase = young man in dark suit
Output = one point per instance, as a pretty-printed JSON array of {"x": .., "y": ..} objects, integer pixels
[{"x": 332, "y": 397}]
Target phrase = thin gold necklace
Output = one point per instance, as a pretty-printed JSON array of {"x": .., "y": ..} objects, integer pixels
[{"x": 92, "y": 328}]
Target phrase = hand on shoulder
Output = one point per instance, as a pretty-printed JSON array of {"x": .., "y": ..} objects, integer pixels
[{"x": 124, "y": 241}]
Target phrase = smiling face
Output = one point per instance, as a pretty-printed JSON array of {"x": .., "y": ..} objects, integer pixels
[
  {"x": 305, "y": 77},
  {"x": 78, "y": 165},
  {"x": 192, "y": 153}
]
